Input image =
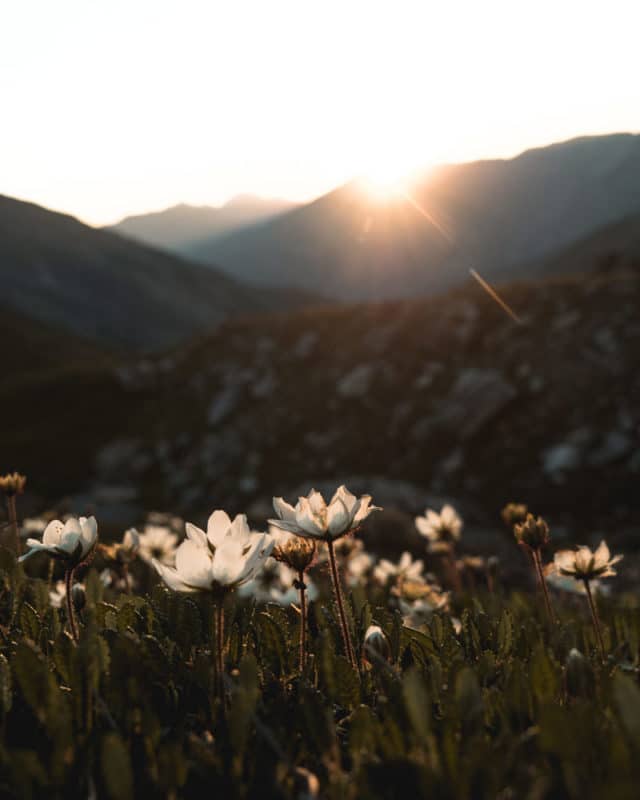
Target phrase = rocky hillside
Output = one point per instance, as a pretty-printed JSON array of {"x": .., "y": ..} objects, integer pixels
[
  {"x": 103, "y": 287},
  {"x": 414, "y": 399}
]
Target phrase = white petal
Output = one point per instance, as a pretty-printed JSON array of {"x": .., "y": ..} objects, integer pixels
[
  {"x": 338, "y": 518},
  {"x": 89, "y": 534},
  {"x": 316, "y": 502},
  {"x": 171, "y": 578},
  {"x": 228, "y": 562},
  {"x": 342, "y": 493},
  {"x": 217, "y": 526},
  {"x": 308, "y": 522},
  {"x": 69, "y": 541},
  {"x": 193, "y": 565},
  {"x": 197, "y": 536},
  {"x": 425, "y": 528},
  {"x": 364, "y": 508},
  {"x": 240, "y": 529},
  {"x": 583, "y": 559},
  {"x": 255, "y": 558},
  {"x": 53, "y": 532},
  {"x": 36, "y": 546},
  {"x": 285, "y": 525},
  {"x": 565, "y": 561},
  {"x": 284, "y": 510},
  {"x": 602, "y": 555}
]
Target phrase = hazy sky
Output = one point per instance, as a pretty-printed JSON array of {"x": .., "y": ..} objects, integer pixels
[{"x": 113, "y": 107}]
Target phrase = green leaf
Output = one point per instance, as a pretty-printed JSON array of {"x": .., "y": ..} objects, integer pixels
[
  {"x": 245, "y": 699},
  {"x": 271, "y": 642},
  {"x": 417, "y": 703},
  {"x": 626, "y": 696},
  {"x": 6, "y": 686},
  {"x": 544, "y": 676},
  {"x": 33, "y": 677},
  {"x": 30, "y": 622},
  {"x": 116, "y": 769},
  {"x": 468, "y": 695},
  {"x": 505, "y": 634}
]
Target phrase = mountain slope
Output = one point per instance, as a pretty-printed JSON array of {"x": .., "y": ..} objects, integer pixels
[
  {"x": 101, "y": 286},
  {"x": 614, "y": 247},
  {"x": 180, "y": 228},
  {"x": 489, "y": 215}
]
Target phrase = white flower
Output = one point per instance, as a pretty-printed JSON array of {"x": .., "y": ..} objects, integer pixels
[
  {"x": 33, "y": 526},
  {"x": 224, "y": 557},
  {"x": 159, "y": 543},
  {"x": 583, "y": 564},
  {"x": 418, "y": 612},
  {"x": 71, "y": 541},
  {"x": 131, "y": 541},
  {"x": 357, "y": 566},
  {"x": 58, "y": 594},
  {"x": 443, "y": 527},
  {"x": 406, "y": 568},
  {"x": 376, "y": 645},
  {"x": 313, "y": 518}
]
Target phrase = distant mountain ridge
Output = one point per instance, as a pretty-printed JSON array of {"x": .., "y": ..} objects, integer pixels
[
  {"x": 106, "y": 288},
  {"x": 180, "y": 227},
  {"x": 498, "y": 216}
]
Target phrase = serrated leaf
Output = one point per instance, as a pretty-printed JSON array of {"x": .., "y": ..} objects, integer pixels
[
  {"x": 33, "y": 677},
  {"x": 626, "y": 695},
  {"x": 29, "y": 622},
  {"x": 505, "y": 634},
  {"x": 468, "y": 695},
  {"x": 417, "y": 703},
  {"x": 272, "y": 643},
  {"x": 347, "y": 683},
  {"x": 245, "y": 699},
  {"x": 6, "y": 686}
]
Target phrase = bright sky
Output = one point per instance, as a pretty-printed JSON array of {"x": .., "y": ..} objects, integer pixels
[{"x": 112, "y": 107}]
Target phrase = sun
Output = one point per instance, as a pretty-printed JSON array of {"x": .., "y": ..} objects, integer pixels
[{"x": 385, "y": 182}]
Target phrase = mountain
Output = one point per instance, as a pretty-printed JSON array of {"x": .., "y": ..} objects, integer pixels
[
  {"x": 104, "y": 287},
  {"x": 180, "y": 228},
  {"x": 499, "y": 217},
  {"x": 614, "y": 247}
]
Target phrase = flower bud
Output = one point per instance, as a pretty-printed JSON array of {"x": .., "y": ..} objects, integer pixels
[
  {"x": 13, "y": 483},
  {"x": 78, "y": 596},
  {"x": 295, "y": 552},
  {"x": 376, "y": 645},
  {"x": 514, "y": 514},
  {"x": 578, "y": 675},
  {"x": 534, "y": 532}
]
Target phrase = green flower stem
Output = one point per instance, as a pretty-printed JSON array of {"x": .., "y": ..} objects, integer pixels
[
  {"x": 13, "y": 521},
  {"x": 219, "y": 645},
  {"x": 454, "y": 575},
  {"x": 594, "y": 617},
  {"x": 537, "y": 561},
  {"x": 68, "y": 581},
  {"x": 303, "y": 620},
  {"x": 346, "y": 636}
]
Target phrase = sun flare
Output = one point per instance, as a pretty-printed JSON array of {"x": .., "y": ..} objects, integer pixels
[{"x": 385, "y": 180}]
